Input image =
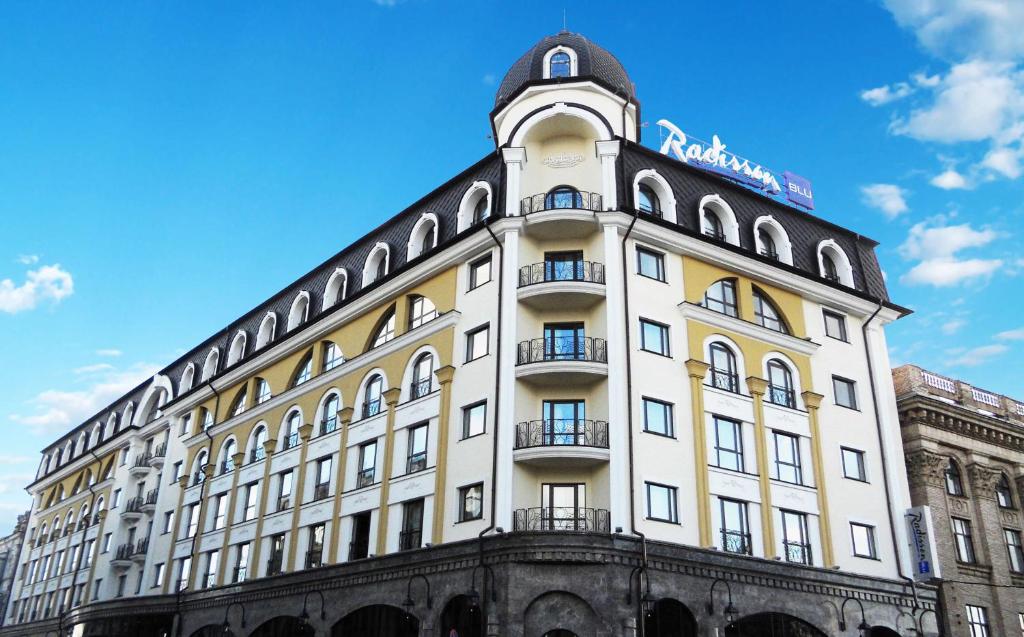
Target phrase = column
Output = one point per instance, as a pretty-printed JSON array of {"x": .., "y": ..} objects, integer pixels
[
  {"x": 607, "y": 151},
  {"x": 505, "y": 416},
  {"x": 269, "y": 447},
  {"x": 208, "y": 472},
  {"x": 515, "y": 159},
  {"x": 757, "y": 387},
  {"x": 344, "y": 419},
  {"x": 813, "y": 401},
  {"x": 237, "y": 459},
  {"x": 444, "y": 378},
  {"x": 697, "y": 371},
  {"x": 298, "y": 492},
  {"x": 618, "y": 387},
  {"x": 391, "y": 398}
]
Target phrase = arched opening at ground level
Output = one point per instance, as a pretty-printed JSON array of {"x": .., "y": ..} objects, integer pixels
[
  {"x": 881, "y": 631},
  {"x": 283, "y": 626},
  {"x": 463, "y": 617},
  {"x": 669, "y": 618},
  {"x": 379, "y": 620},
  {"x": 772, "y": 625},
  {"x": 559, "y": 632}
]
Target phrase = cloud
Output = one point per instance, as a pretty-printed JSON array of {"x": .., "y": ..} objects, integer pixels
[
  {"x": 977, "y": 355},
  {"x": 952, "y": 326},
  {"x": 935, "y": 248},
  {"x": 955, "y": 29},
  {"x": 28, "y": 259},
  {"x": 113, "y": 353},
  {"x": 57, "y": 409},
  {"x": 886, "y": 94},
  {"x": 1004, "y": 161},
  {"x": 92, "y": 369},
  {"x": 888, "y": 198},
  {"x": 49, "y": 282},
  {"x": 950, "y": 180},
  {"x": 1011, "y": 335}
]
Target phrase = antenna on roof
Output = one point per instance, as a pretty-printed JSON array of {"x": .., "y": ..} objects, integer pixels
[{"x": 564, "y": 29}]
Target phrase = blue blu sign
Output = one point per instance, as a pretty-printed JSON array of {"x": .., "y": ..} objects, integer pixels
[{"x": 798, "y": 190}]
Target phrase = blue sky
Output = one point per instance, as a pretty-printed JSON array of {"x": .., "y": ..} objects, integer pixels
[{"x": 165, "y": 167}]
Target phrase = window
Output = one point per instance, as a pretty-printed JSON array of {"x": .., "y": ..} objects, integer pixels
[
  {"x": 474, "y": 419},
  {"x": 479, "y": 272},
  {"x": 332, "y": 356},
  {"x": 427, "y": 241},
  {"x": 284, "y": 490},
  {"x": 291, "y": 431},
  {"x": 411, "y": 535},
  {"x": 276, "y": 561},
  {"x": 258, "y": 451},
  {"x": 954, "y": 483},
  {"x": 168, "y": 521},
  {"x": 964, "y": 540},
  {"x": 649, "y": 202},
  {"x": 661, "y": 503},
  {"x": 386, "y": 331},
  {"x": 560, "y": 65},
  {"x": 251, "y": 493},
  {"x": 853, "y": 464},
  {"x": 477, "y": 343},
  {"x": 768, "y": 248},
  {"x": 650, "y": 264},
  {"x": 977, "y": 620},
  {"x": 828, "y": 268},
  {"x": 563, "y": 197},
  {"x": 241, "y": 563},
  {"x": 114, "y": 501},
  {"x": 481, "y": 210},
  {"x": 863, "y": 540},
  {"x": 329, "y": 419},
  {"x": 471, "y": 502},
  {"x": 122, "y": 580},
  {"x": 421, "y": 311},
  {"x": 417, "y": 460},
  {"x": 728, "y": 444},
  {"x": 1003, "y": 494},
  {"x": 186, "y": 425},
  {"x": 315, "y": 554},
  {"x": 658, "y": 417},
  {"x": 723, "y": 369},
  {"x": 654, "y": 337},
  {"x": 239, "y": 405},
  {"x": 845, "y": 391},
  {"x": 228, "y": 463},
  {"x": 382, "y": 267},
  {"x": 735, "y": 526},
  {"x": 212, "y": 558},
  {"x": 721, "y": 298},
  {"x": 422, "y": 376},
  {"x": 1015, "y": 550},
  {"x": 322, "y": 486},
  {"x": 367, "y": 464},
  {"x": 262, "y": 391},
  {"x": 158, "y": 575},
  {"x": 795, "y": 542},
  {"x": 563, "y": 266},
  {"x": 787, "y": 458},
  {"x": 767, "y": 315},
  {"x": 206, "y": 416},
  {"x": 106, "y": 542},
  {"x": 780, "y": 385},
  {"x": 835, "y": 326},
  {"x": 304, "y": 371},
  {"x": 711, "y": 225},
  {"x": 193, "y": 520}
]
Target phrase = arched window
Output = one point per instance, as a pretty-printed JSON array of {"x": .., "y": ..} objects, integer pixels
[
  {"x": 424, "y": 236},
  {"x": 238, "y": 404},
  {"x": 336, "y": 288},
  {"x": 560, "y": 65},
  {"x": 227, "y": 461},
  {"x": 835, "y": 265},
  {"x": 377, "y": 265},
  {"x": 266, "y": 331},
  {"x": 202, "y": 459},
  {"x": 711, "y": 225},
  {"x": 649, "y": 202},
  {"x": 329, "y": 420},
  {"x": 421, "y": 311},
  {"x": 300, "y": 310},
  {"x": 829, "y": 269},
  {"x": 372, "y": 401},
  {"x": 563, "y": 197},
  {"x": 481, "y": 210},
  {"x": 771, "y": 240},
  {"x": 257, "y": 450},
  {"x": 386, "y": 331},
  {"x": 237, "y": 349},
  {"x": 291, "y": 430},
  {"x": 422, "y": 376},
  {"x": 304, "y": 371},
  {"x": 768, "y": 247},
  {"x": 1004, "y": 496},
  {"x": 721, "y": 297},
  {"x": 954, "y": 481},
  {"x": 767, "y": 315},
  {"x": 206, "y": 417},
  {"x": 210, "y": 366},
  {"x": 262, "y": 391},
  {"x": 332, "y": 356},
  {"x": 474, "y": 207},
  {"x": 780, "y": 385},
  {"x": 187, "y": 377},
  {"x": 723, "y": 368}
]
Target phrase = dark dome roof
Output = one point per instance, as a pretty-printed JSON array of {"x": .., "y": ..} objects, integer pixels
[{"x": 592, "y": 61}]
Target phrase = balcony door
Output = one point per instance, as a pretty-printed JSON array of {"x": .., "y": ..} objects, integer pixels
[
  {"x": 562, "y": 507},
  {"x": 360, "y": 545},
  {"x": 564, "y": 342},
  {"x": 563, "y": 266},
  {"x": 563, "y": 422}
]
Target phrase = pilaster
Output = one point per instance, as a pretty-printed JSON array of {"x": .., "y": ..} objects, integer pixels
[
  {"x": 344, "y": 420},
  {"x": 697, "y": 371},
  {"x": 269, "y": 447},
  {"x": 444, "y": 378},
  {"x": 618, "y": 387},
  {"x": 237, "y": 459},
  {"x": 607, "y": 152},
  {"x": 298, "y": 491},
  {"x": 515, "y": 159},
  {"x": 505, "y": 416},
  {"x": 757, "y": 387},
  {"x": 813, "y": 401},
  {"x": 391, "y": 398}
]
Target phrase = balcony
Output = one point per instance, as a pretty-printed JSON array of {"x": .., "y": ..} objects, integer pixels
[
  {"x": 274, "y": 565},
  {"x": 141, "y": 466},
  {"x": 149, "y": 504},
  {"x": 420, "y": 388},
  {"x": 141, "y": 550},
  {"x": 562, "y": 442},
  {"x": 562, "y": 520},
  {"x": 132, "y": 509},
  {"x": 411, "y": 539},
  {"x": 315, "y": 558},
  {"x": 257, "y": 453},
  {"x": 561, "y": 284},
  {"x": 328, "y": 425},
  {"x": 562, "y": 360},
  {"x": 564, "y": 212},
  {"x": 159, "y": 456},
  {"x": 123, "y": 556},
  {"x": 365, "y": 477}
]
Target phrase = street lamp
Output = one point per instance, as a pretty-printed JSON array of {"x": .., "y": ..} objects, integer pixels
[
  {"x": 227, "y": 622},
  {"x": 473, "y": 595},
  {"x": 920, "y": 621},
  {"x": 729, "y": 611},
  {"x": 842, "y": 616},
  {"x": 304, "y": 615},
  {"x": 409, "y": 602}
]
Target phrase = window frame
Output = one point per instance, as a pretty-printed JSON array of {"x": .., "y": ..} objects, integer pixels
[
  {"x": 659, "y": 261},
  {"x": 840, "y": 319},
  {"x": 728, "y": 308},
  {"x": 667, "y": 410},
  {"x": 872, "y": 547},
  {"x": 737, "y": 427},
  {"x": 977, "y": 620},
  {"x": 797, "y": 466},
  {"x": 1014, "y": 550},
  {"x": 861, "y": 463},
  {"x": 474, "y": 268},
  {"x": 853, "y": 392},
  {"x": 463, "y": 493},
  {"x": 963, "y": 540},
  {"x": 663, "y": 330},
  {"x": 673, "y": 502},
  {"x": 466, "y": 412},
  {"x": 471, "y": 336}
]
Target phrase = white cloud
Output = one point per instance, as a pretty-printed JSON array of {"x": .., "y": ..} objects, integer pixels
[
  {"x": 953, "y": 326},
  {"x": 1004, "y": 160},
  {"x": 886, "y": 94},
  {"x": 56, "y": 409},
  {"x": 49, "y": 282},
  {"x": 112, "y": 353},
  {"x": 92, "y": 369},
  {"x": 936, "y": 248},
  {"x": 888, "y": 198},
  {"x": 955, "y": 29},
  {"x": 950, "y": 180},
  {"x": 28, "y": 259},
  {"x": 977, "y": 355},
  {"x": 946, "y": 272},
  {"x": 1011, "y": 335}
]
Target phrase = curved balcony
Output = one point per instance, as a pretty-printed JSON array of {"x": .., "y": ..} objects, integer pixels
[
  {"x": 123, "y": 556},
  {"x": 159, "y": 456},
  {"x": 141, "y": 466},
  {"x": 562, "y": 520},
  {"x": 562, "y": 442},
  {"x": 149, "y": 504},
  {"x": 141, "y": 549},
  {"x": 568, "y": 360},
  {"x": 132, "y": 509},
  {"x": 561, "y": 284},
  {"x": 564, "y": 212}
]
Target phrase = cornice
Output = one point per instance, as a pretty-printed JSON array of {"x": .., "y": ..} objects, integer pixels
[
  {"x": 750, "y": 330},
  {"x": 917, "y": 409}
]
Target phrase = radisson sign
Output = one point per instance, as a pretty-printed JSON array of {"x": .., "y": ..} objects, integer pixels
[{"x": 715, "y": 158}]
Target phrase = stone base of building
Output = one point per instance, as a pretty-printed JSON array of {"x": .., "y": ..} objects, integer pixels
[{"x": 523, "y": 585}]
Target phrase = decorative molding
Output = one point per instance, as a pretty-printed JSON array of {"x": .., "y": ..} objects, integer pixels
[
  {"x": 718, "y": 320},
  {"x": 983, "y": 480},
  {"x": 925, "y": 468}
]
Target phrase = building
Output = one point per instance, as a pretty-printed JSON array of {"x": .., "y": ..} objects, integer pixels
[
  {"x": 581, "y": 388},
  {"x": 10, "y": 548},
  {"x": 965, "y": 461}
]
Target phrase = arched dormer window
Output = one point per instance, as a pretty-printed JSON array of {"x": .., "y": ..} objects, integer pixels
[
  {"x": 385, "y": 330},
  {"x": 237, "y": 349},
  {"x": 717, "y": 220},
  {"x": 563, "y": 197},
  {"x": 291, "y": 430},
  {"x": 210, "y": 366},
  {"x": 954, "y": 480},
  {"x": 377, "y": 264},
  {"x": 300, "y": 310},
  {"x": 653, "y": 195},
  {"x": 266, "y": 332},
  {"x": 767, "y": 315},
  {"x": 475, "y": 206},
  {"x": 721, "y": 297},
  {"x": 771, "y": 240},
  {"x": 711, "y": 225},
  {"x": 262, "y": 391},
  {"x": 780, "y": 384},
  {"x": 724, "y": 374},
  {"x": 833, "y": 263},
  {"x": 304, "y": 371},
  {"x": 829, "y": 269},
  {"x": 372, "y": 396},
  {"x": 256, "y": 450},
  {"x": 424, "y": 236},
  {"x": 767, "y": 246},
  {"x": 648, "y": 202},
  {"x": 187, "y": 377},
  {"x": 238, "y": 404},
  {"x": 421, "y": 311},
  {"x": 227, "y": 462},
  {"x": 422, "y": 376},
  {"x": 481, "y": 210},
  {"x": 1004, "y": 496},
  {"x": 332, "y": 356},
  {"x": 129, "y": 413},
  {"x": 560, "y": 65},
  {"x": 337, "y": 287},
  {"x": 329, "y": 419}
]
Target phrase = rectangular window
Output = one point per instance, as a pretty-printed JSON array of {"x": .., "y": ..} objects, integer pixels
[
  {"x": 251, "y": 493},
  {"x": 477, "y": 343},
  {"x": 471, "y": 502},
  {"x": 90, "y": 545},
  {"x": 474, "y": 419},
  {"x": 845, "y": 392},
  {"x": 176, "y": 472},
  {"x": 964, "y": 540},
  {"x": 121, "y": 581},
  {"x": 853, "y": 464},
  {"x": 650, "y": 264},
  {"x": 787, "y": 458},
  {"x": 977, "y": 620},
  {"x": 276, "y": 561},
  {"x": 322, "y": 486},
  {"x": 835, "y": 325},
  {"x": 795, "y": 542},
  {"x": 1015, "y": 550},
  {"x": 367, "y": 464},
  {"x": 158, "y": 575},
  {"x": 192, "y": 520},
  {"x": 411, "y": 535},
  {"x": 863, "y": 540},
  {"x": 241, "y": 563},
  {"x": 661, "y": 503},
  {"x": 315, "y": 554},
  {"x": 735, "y": 526},
  {"x": 116, "y": 499},
  {"x": 479, "y": 272},
  {"x": 106, "y": 543},
  {"x": 284, "y": 490},
  {"x": 220, "y": 505},
  {"x": 728, "y": 444},
  {"x": 210, "y": 578},
  {"x": 658, "y": 417},
  {"x": 654, "y": 337},
  {"x": 417, "y": 457}
]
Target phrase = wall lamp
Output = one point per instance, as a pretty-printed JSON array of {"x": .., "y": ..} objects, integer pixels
[
  {"x": 730, "y": 612},
  {"x": 842, "y": 615},
  {"x": 304, "y": 615},
  {"x": 920, "y": 621},
  {"x": 473, "y": 595},
  {"x": 227, "y": 622},
  {"x": 409, "y": 602}
]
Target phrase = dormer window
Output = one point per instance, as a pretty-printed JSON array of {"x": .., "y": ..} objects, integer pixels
[
  {"x": 648, "y": 202},
  {"x": 712, "y": 226},
  {"x": 480, "y": 210},
  {"x": 768, "y": 248},
  {"x": 830, "y": 271},
  {"x": 561, "y": 65}
]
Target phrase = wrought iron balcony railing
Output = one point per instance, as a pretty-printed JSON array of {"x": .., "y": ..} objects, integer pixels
[
  {"x": 365, "y": 478},
  {"x": 133, "y": 506},
  {"x": 143, "y": 460},
  {"x": 725, "y": 380},
  {"x": 549, "y": 271},
  {"x": 574, "y": 432},
  {"x": 328, "y": 425},
  {"x": 315, "y": 558},
  {"x": 561, "y": 199},
  {"x": 563, "y": 519},
  {"x": 798, "y": 552},
  {"x": 152, "y": 495},
  {"x": 257, "y": 453},
  {"x": 782, "y": 396},
  {"x": 124, "y": 551},
  {"x": 420, "y": 388},
  {"x": 160, "y": 451},
  {"x": 412, "y": 539},
  {"x": 291, "y": 440},
  {"x": 372, "y": 407},
  {"x": 734, "y": 541},
  {"x": 416, "y": 462},
  {"x": 562, "y": 348},
  {"x": 274, "y": 565},
  {"x": 238, "y": 574}
]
